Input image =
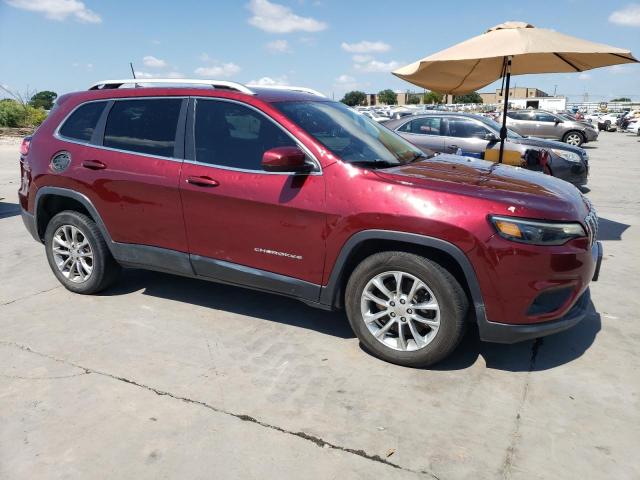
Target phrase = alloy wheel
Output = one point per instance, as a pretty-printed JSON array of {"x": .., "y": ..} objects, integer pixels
[
  {"x": 574, "y": 139},
  {"x": 400, "y": 311},
  {"x": 72, "y": 253}
]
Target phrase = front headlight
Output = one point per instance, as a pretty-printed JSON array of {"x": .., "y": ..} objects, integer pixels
[
  {"x": 567, "y": 155},
  {"x": 536, "y": 232}
]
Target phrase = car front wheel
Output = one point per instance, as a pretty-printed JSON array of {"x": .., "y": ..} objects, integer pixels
[
  {"x": 574, "y": 138},
  {"x": 406, "y": 309}
]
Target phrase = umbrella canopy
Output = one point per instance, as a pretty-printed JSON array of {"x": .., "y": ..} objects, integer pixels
[{"x": 479, "y": 61}]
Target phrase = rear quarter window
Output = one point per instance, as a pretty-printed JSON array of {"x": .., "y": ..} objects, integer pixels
[{"x": 82, "y": 122}]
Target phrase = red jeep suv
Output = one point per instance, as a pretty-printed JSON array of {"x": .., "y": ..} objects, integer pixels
[{"x": 284, "y": 191}]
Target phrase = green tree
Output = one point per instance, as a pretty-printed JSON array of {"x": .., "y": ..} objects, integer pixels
[
  {"x": 432, "y": 97},
  {"x": 43, "y": 99},
  {"x": 354, "y": 98},
  {"x": 621, "y": 99},
  {"x": 14, "y": 114},
  {"x": 472, "y": 97},
  {"x": 413, "y": 99},
  {"x": 388, "y": 97}
]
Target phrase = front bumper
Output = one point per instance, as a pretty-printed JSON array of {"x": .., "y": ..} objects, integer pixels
[
  {"x": 513, "y": 333},
  {"x": 591, "y": 135},
  {"x": 507, "y": 333}
]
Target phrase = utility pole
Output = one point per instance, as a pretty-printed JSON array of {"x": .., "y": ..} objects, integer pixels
[
  {"x": 555, "y": 87},
  {"x": 133, "y": 72}
]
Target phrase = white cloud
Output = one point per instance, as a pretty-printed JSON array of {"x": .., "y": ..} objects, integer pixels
[
  {"x": 374, "y": 66},
  {"x": 345, "y": 79},
  {"x": 159, "y": 75},
  {"x": 362, "y": 58},
  {"x": 279, "y": 46},
  {"x": 628, "y": 16},
  {"x": 276, "y": 18},
  {"x": 152, "y": 62},
  {"x": 366, "y": 47},
  {"x": 620, "y": 69},
  {"x": 58, "y": 9},
  {"x": 268, "y": 81},
  {"x": 584, "y": 76},
  {"x": 346, "y": 82},
  {"x": 218, "y": 70}
]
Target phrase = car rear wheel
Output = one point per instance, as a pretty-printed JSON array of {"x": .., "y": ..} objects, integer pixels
[
  {"x": 406, "y": 309},
  {"x": 573, "y": 138},
  {"x": 78, "y": 255}
]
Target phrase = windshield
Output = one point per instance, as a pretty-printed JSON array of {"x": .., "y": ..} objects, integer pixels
[
  {"x": 350, "y": 135},
  {"x": 496, "y": 126}
]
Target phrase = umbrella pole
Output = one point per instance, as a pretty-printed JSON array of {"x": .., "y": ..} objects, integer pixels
[{"x": 503, "y": 130}]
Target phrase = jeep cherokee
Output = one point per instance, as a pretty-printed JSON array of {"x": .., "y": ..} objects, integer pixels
[{"x": 285, "y": 191}]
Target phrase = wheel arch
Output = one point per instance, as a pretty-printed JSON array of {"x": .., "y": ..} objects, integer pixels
[
  {"x": 53, "y": 200},
  {"x": 368, "y": 242},
  {"x": 575, "y": 130}
]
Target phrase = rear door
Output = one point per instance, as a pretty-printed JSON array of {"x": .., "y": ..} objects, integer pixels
[
  {"x": 424, "y": 132},
  {"x": 236, "y": 214},
  {"x": 129, "y": 166}
]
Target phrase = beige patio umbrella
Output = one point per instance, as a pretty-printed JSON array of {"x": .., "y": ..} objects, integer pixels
[{"x": 511, "y": 48}]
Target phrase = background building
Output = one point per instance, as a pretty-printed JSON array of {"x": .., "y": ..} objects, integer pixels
[{"x": 516, "y": 92}]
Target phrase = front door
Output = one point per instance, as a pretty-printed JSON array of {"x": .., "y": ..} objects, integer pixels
[
  {"x": 424, "y": 132},
  {"x": 244, "y": 224},
  {"x": 467, "y": 135},
  {"x": 547, "y": 125}
]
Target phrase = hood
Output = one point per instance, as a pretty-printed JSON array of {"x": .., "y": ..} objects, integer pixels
[
  {"x": 543, "y": 143},
  {"x": 519, "y": 192}
]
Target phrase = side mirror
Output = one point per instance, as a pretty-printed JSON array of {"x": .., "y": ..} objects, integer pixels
[
  {"x": 558, "y": 121},
  {"x": 490, "y": 137},
  {"x": 285, "y": 159}
]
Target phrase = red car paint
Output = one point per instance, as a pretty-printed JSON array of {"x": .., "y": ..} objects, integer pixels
[{"x": 149, "y": 201}]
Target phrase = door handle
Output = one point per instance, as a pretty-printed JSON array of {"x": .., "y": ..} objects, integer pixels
[
  {"x": 452, "y": 147},
  {"x": 202, "y": 181},
  {"x": 94, "y": 165}
]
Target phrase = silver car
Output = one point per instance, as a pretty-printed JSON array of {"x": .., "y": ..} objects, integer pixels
[
  {"x": 471, "y": 135},
  {"x": 543, "y": 124}
]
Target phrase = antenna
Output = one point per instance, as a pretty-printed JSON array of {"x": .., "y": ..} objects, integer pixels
[{"x": 133, "y": 72}]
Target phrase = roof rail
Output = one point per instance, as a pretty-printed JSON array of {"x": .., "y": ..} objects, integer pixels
[
  {"x": 290, "y": 88},
  {"x": 137, "y": 82}
]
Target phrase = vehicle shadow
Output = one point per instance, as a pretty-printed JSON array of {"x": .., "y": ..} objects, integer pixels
[
  {"x": 242, "y": 301},
  {"x": 8, "y": 209},
  {"x": 533, "y": 355},
  {"x": 610, "y": 229}
]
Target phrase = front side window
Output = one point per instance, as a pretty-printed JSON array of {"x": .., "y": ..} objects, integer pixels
[
  {"x": 422, "y": 126},
  {"x": 463, "y": 128},
  {"x": 350, "y": 136},
  {"x": 82, "y": 122},
  {"x": 143, "y": 126},
  {"x": 228, "y": 134}
]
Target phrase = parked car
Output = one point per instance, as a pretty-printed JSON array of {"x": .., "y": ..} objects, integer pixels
[
  {"x": 375, "y": 116},
  {"x": 473, "y": 134},
  {"x": 285, "y": 191},
  {"x": 543, "y": 124}
]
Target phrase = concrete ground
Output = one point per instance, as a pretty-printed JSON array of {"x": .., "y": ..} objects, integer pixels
[{"x": 166, "y": 377}]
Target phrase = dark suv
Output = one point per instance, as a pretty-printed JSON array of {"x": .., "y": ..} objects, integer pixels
[{"x": 285, "y": 191}]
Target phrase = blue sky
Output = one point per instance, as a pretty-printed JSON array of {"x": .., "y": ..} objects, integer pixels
[{"x": 330, "y": 45}]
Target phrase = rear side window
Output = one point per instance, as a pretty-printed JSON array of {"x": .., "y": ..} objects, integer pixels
[
  {"x": 82, "y": 122},
  {"x": 143, "y": 126},
  {"x": 231, "y": 135}
]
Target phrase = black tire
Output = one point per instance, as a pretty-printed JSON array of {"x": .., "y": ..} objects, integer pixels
[
  {"x": 573, "y": 132},
  {"x": 105, "y": 269},
  {"x": 450, "y": 296}
]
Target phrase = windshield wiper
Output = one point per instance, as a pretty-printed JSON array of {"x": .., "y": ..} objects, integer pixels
[
  {"x": 373, "y": 163},
  {"x": 418, "y": 156}
]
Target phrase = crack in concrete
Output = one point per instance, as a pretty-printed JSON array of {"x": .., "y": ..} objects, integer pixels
[
  {"x": 19, "y": 299},
  {"x": 245, "y": 418},
  {"x": 53, "y": 377},
  {"x": 507, "y": 464}
]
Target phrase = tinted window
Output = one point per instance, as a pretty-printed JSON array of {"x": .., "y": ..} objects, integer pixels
[
  {"x": 82, "y": 122},
  {"x": 231, "y": 135},
  {"x": 422, "y": 126},
  {"x": 544, "y": 117},
  {"x": 463, "y": 128},
  {"x": 144, "y": 126},
  {"x": 520, "y": 115}
]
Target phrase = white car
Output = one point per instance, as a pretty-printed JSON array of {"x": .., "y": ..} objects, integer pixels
[
  {"x": 633, "y": 126},
  {"x": 374, "y": 116}
]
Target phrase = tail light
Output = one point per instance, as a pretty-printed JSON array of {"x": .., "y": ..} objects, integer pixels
[{"x": 24, "y": 146}]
